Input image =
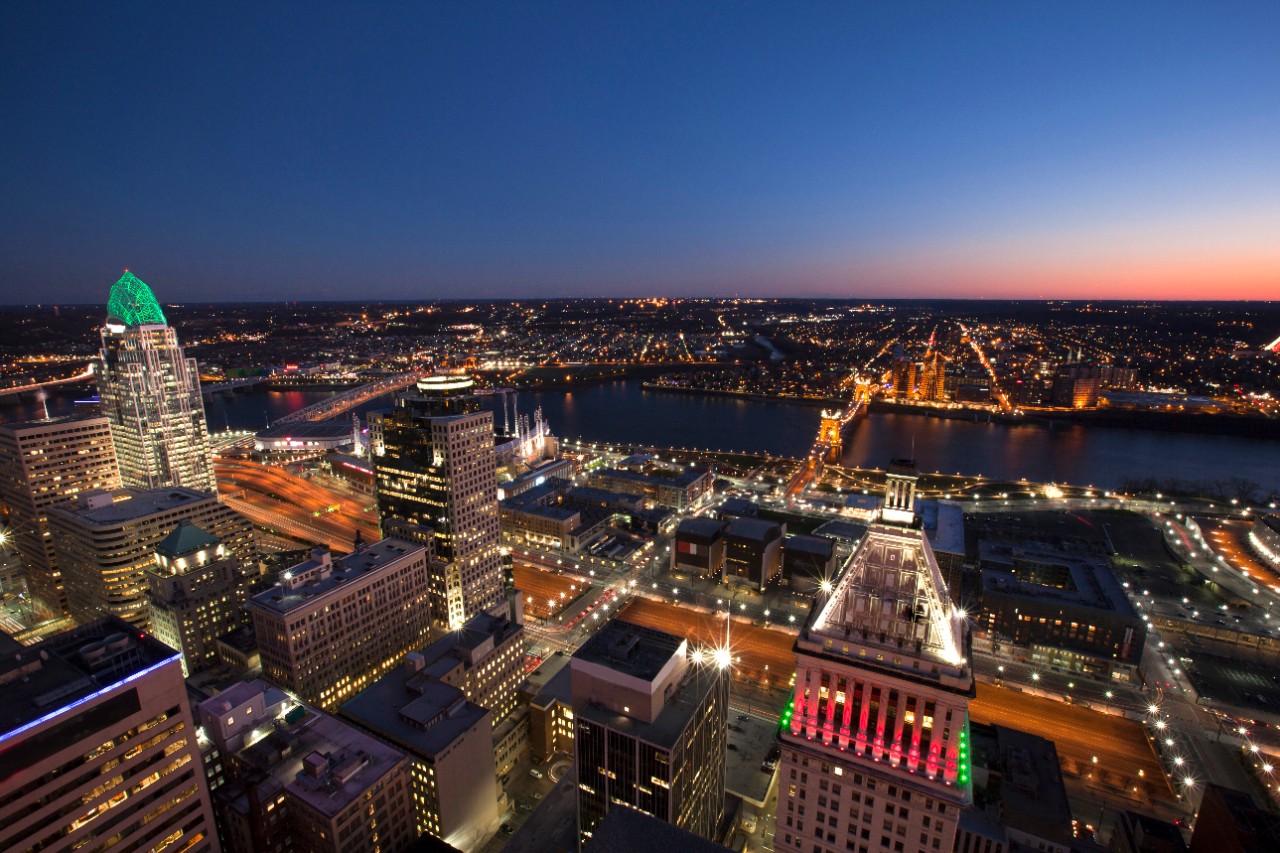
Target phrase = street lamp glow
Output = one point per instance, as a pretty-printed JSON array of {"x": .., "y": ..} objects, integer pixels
[{"x": 723, "y": 658}]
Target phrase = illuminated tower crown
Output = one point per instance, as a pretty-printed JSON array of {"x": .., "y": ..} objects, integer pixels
[{"x": 133, "y": 304}]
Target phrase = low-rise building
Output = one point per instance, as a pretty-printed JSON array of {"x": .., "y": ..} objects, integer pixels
[
  {"x": 1019, "y": 800},
  {"x": 753, "y": 551},
  {"x": 549, "y": 697},
  {"x": 679, "y": 490},
  {"x": 297, "y": 779},
  {"x": 807, "y": 561},
  {"x": 332, "y": 627},
  {"x": 1061, "y": 609},
  {"x": 450, "y": 742},
  {"x": 698, "y": 548}
]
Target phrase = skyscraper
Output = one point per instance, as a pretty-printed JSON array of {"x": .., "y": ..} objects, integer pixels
[
  {"x": 434, "y": 466},
  {"x": 875, "y": 746},
  {"x": 43, "y": 463},
  {"x": 151, "y": 395},
  {"x": 97, "y": 747},
  {"x": 650, "y": 717}
]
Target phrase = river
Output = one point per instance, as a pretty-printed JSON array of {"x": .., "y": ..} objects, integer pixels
[{"x": 623, "y": 412}]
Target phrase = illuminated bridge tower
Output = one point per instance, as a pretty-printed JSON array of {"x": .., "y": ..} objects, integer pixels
[
  {"x": 875, "y": 746},
  {"x": 829, "y": 433}
]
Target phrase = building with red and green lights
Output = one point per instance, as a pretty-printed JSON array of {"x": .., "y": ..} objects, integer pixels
[{"x": 875, "y": 752}]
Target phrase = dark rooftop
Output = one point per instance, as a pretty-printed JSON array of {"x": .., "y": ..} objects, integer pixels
[
  {"x": 69, "y": 666},
  {"x": 627, "y": 830},
  {"x": 631, "y": 649}
]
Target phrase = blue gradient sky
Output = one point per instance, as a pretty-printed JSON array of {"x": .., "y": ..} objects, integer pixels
[{"x": 544, "y": 149}]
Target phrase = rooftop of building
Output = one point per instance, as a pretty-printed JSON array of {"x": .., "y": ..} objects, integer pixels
[
  {"x": 1030, "y": 791},
  {"x": 627, "y": 830},
  {"x": 421, "y": 715},
  {"x": 119, "y": 506},
  {"x": 744, "y": 773},
  {"x": 844, "y": 530},
  {"x": 801, "y": 543},
  {"x": 1272, "y": 521},
  {"x": 943, "y": 521},
  {"x": 673, "y": 720},
  {"x": 702, "y": 528},
  {"x": 132, "y": 303},
  {"x": 631, "y": 649},
  {"x": 59, "y": 673},
  {"x": 459, "y": 647},
  {"x": 321, "y": 575},
  {"x": 1258, "y": 830},
  {"x": 320, "y": 760},
  {"x": 186, "y": 538},
  {"x": 755, "y": 529},
  {"x": 1141, "y": 827},
  {"x": 1092, "y": 583},
  {"x": 550, "y": 682},
  {"x": 550, "y": 468},
  {"x": 15, "y": 427},
  {"x": 891, "y": 598},
  {"x": 738, "y": 506}
]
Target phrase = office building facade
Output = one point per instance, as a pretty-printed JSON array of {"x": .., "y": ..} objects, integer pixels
[
  {"x": 650, "y": 717},
  {"x": 434, "y": 466},
  {"x": 106, "y": 541},
  {"x": 98, "y": 748},
  {"x": 874, "y": 746},
  {"x": 44, "y": 463},
  {"x": 151, "y": 395},
  {"x": 330, "y": 628}
]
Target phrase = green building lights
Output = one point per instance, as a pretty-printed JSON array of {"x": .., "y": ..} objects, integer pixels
[
  {"x": 784, "y": 719},
  {"x": 963, "y": 764},
  {"x": 133, "y": 303}
]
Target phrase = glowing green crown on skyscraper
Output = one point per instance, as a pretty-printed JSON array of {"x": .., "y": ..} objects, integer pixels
[{"x": 133, "y": 303}]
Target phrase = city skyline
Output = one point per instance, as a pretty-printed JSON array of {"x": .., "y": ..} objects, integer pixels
[{"x": 877, "y": 152}]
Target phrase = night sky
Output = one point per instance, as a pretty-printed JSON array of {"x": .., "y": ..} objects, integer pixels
[{"x": 527, "y": 149}]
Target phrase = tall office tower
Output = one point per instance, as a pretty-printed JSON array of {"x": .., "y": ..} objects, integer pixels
[
  {"x": 43, "y": 463},
  {"x": 105, "y": 542},
  {"x": 434, "y": 466},
  {"x": 300, "y": 780},
  {"x": 333, "y": 627},
  {"x": 97, "y": 747},
  {"x": 151, "y": 395},
  {"x": 651, "y": 718},
  {"x": 196, "y": 593},
  {"x": 875, "y": 747}
]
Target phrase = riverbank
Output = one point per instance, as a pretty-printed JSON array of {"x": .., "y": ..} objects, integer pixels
[{"x": 745, "y": 395}]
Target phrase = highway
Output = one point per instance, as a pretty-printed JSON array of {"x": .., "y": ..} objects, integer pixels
[
  {"x": 1124, "y": 757},
  {"x": 278, "y": 500},
  {"x": 761, "y": 655}
]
